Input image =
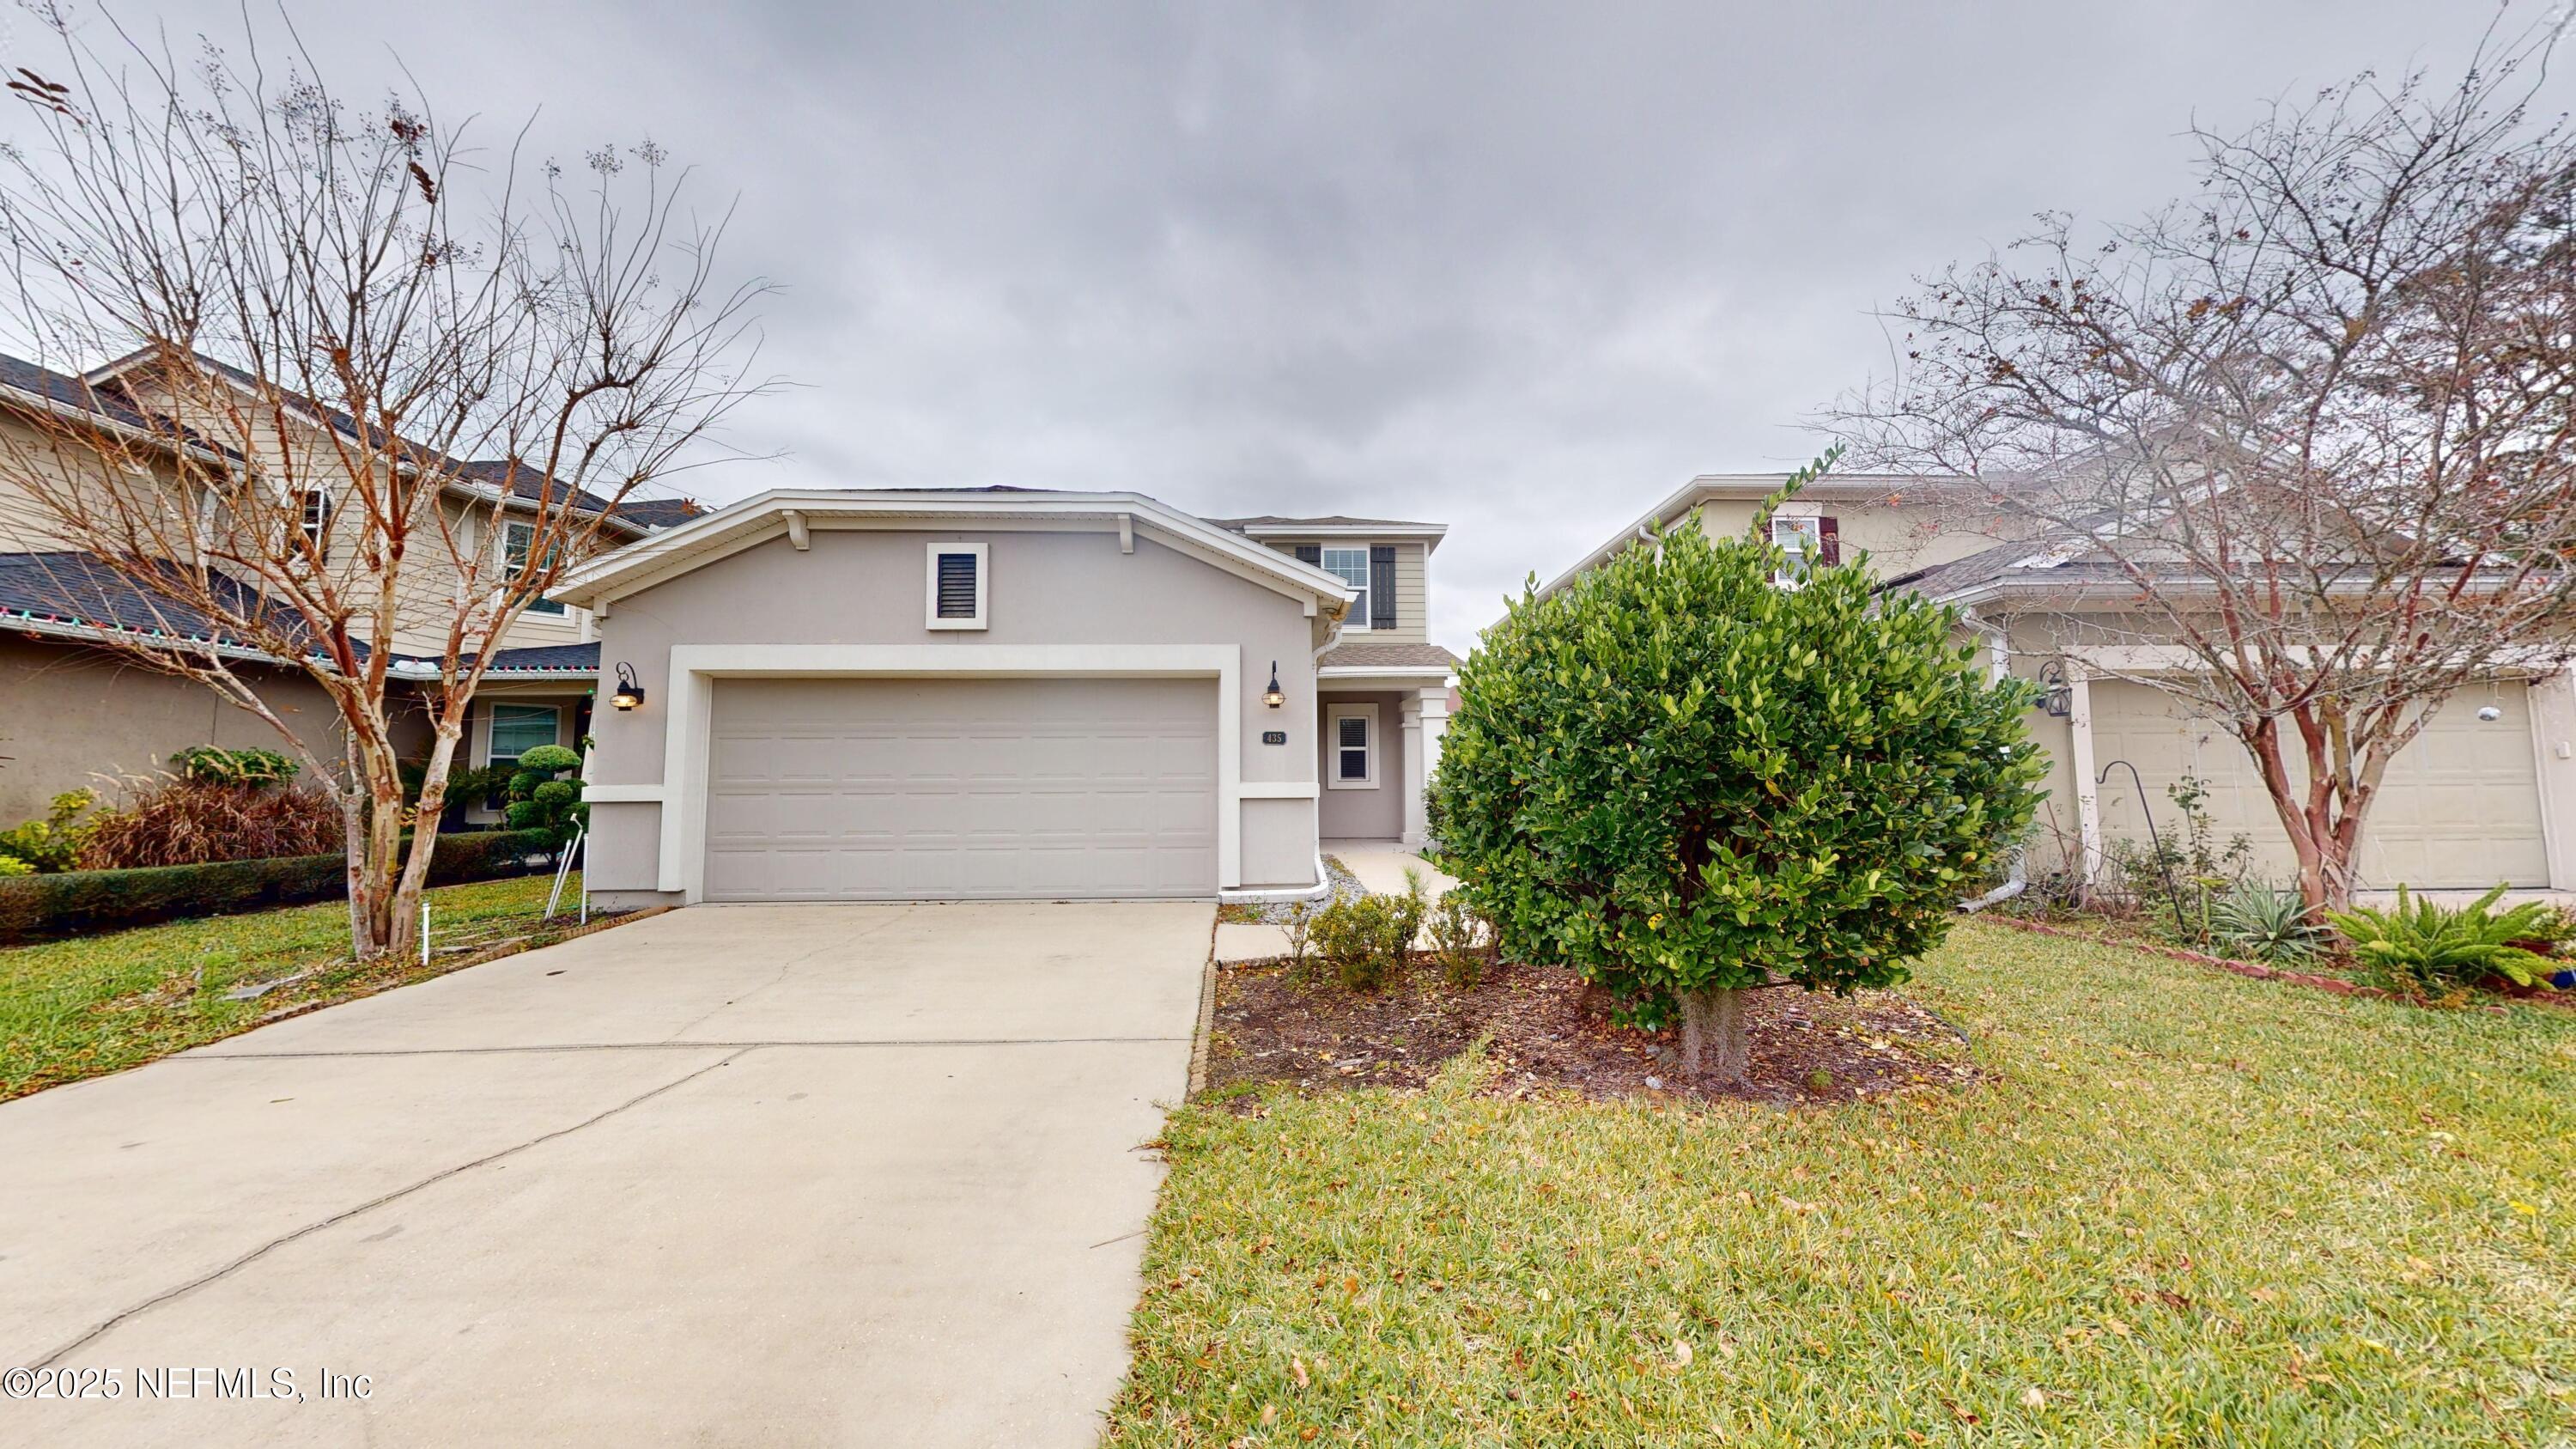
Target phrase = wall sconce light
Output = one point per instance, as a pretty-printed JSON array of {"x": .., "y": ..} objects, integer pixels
[
  {"x": 629, "y": 695},
  {"x": 1274, "y": 696},
  {"x": 2056, "y": 696}
]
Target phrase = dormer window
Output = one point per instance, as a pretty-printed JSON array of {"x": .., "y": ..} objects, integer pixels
[
  {"x": 1351, "y": 566},
  {"x": 955, "y": 587}
]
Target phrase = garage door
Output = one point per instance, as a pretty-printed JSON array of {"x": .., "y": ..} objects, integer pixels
[
  {"x": 2459, "y": 808},
  {"x": 913, "y": 789}
]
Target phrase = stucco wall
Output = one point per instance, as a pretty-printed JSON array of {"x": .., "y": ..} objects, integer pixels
[
  {"x": 865, "y": 586},
  {"x": 1361, "y": 814},
  {"x": 68, "y": 714}
]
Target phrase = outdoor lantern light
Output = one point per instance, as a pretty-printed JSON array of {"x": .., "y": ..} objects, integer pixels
[
  {"x": 629, "y": 694},
  {"x": 1274, "y": 696},
  {"x": 2055, "y": 695}
]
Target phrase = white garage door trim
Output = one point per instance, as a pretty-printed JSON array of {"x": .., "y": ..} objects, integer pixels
[{"x": 696, "y": 667}]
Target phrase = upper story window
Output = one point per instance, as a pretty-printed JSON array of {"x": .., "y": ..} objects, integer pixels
[
  {"x": 315, "y": 524},
  {"x": 1808, "y": 542},
  {"x": 1351, "y": 566},
  {"x": 516, "y": 541},
  {"x": 954, "y": 587}
]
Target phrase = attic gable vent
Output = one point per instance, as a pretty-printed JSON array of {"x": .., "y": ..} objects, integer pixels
[{"x": 956, "y": 586}]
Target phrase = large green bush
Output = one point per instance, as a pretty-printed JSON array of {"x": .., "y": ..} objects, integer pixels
[{"x": 1684, "y": 780}]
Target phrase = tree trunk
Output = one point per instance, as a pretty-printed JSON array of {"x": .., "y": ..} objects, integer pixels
[{"x": 1714, "y": 1018}]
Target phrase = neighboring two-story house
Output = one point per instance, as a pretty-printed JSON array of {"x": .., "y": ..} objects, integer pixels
[
  {"x": 2486, "y": 794},
  {"x": 73, "y": 712},
  {"x": 1006, "y": 693}
]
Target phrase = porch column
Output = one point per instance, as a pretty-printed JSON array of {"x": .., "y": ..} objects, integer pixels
[
  {"x": 1426, "y": 719},
  {"x": 2088, "y": 803}
]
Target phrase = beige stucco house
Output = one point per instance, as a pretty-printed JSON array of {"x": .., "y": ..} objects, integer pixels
[
  {"x": 2486, "y": 794},
  {"x": 1005, "y": 693},
  {"x": 74, "y": 712}
]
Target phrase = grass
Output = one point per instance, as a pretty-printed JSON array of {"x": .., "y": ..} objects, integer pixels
[
  {"x": 85, "y": 1007},
  {"x": 2186, "y": 1208}
]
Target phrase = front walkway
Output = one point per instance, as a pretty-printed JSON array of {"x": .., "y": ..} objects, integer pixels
[
  {"x": 1379, "y": 866},
  {"x": 733, "y": 1175}
]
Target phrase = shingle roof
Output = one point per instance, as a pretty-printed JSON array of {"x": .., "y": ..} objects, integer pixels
[
  {"x": 547, "y": 659},
  {"x": 2006, "y": 563},
  {"x": 660, "y": 512},
  {"x": 1386, "y": 656},
  {"x": 74, "y": 588},
  {"x": 1330, "y": 520}
]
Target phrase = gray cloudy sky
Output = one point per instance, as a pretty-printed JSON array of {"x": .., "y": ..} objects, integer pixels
[{"x": 1522, "y": 269}]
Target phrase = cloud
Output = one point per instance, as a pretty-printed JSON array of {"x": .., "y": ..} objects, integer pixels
[{"x": 1520, "y": 268}]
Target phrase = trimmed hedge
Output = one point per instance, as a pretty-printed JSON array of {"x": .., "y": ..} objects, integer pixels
[{"x": 34, "y": 907}]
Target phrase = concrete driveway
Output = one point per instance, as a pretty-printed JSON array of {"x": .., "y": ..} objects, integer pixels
[{"x": 733, "y": 1175}]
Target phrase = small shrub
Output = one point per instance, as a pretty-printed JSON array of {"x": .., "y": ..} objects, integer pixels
[
  {"x": 53, "y": 843},
  {"x": 177, "y": 821},
  {"x": 11, "y": 865},
  {"x": 1458, "y": 942},
  {"x": 1360, "y": 940},
  {"x": 2425, "y": 947},
  {"x": 1410, "y": 908},
  {"x": 540, "y": 799},
  {"x": 2264, "y": 923},
  {"x": 249, "y": 765},
  {"x": 1300, "y": 927}
]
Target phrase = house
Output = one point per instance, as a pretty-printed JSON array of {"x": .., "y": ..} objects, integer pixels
[
  {"x": 2486, "y": 794},
  {"x": 72, "y": 711},
  {"x": 1005, "y": 693}
]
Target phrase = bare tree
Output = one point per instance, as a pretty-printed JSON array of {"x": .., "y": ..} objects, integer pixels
[
  {"x": 2311, "y": 426},
  {"x": 347, "y": 347}
]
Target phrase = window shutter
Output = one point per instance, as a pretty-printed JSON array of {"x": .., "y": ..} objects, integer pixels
[
  {"x": 957, "y": 586},
  {"x": 1311, "y": 553},
  {"x": 1382, "y": 586},
  {"x": 1829, "y": 546}
]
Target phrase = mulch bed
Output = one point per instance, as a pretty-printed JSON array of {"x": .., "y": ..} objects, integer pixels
[{"x": 1546, "y": 1032}]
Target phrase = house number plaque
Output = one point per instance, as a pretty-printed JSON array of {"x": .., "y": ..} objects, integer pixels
[{"x": 1274, "y": 737}]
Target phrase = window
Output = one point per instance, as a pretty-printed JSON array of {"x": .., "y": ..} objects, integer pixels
[
  {"x": 516, "y": 540},
  {"x": 316, "y": 522},
  {"x": 518, "y": 728},
  {"x": 954, "y": 587},
  {"x": 1351, "y": 566},
  {"x": 1353, "y": 735},
  {"x": 1804, "y": 540}
]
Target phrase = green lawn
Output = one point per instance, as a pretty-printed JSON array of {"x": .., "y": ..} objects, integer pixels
[
  {"x": 2187, "y": 1209},
  {"x": 78, "y": 1008}
]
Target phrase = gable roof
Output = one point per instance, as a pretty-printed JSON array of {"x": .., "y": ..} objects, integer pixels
[
  {"x": 711, "y": 536},
  {"x": 1333, "y": 525},
  {"x": 1714, "y": 487},
  {"x": 100, "y": 392}
]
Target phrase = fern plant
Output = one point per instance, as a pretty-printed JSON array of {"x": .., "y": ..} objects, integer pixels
[
  {"x": 2264, "y": 923},
  {"x": 2424, "y": 944}
]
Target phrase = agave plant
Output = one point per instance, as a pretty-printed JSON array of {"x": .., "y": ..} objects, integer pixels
[
  {"x": 2432, "y": 945},
  {"x": 2264, "y": 923}
]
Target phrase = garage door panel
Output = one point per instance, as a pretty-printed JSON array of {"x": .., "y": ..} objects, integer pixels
[
  {"x": 2459, "y": 807},
  {"x": 910, "y": 789}
]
